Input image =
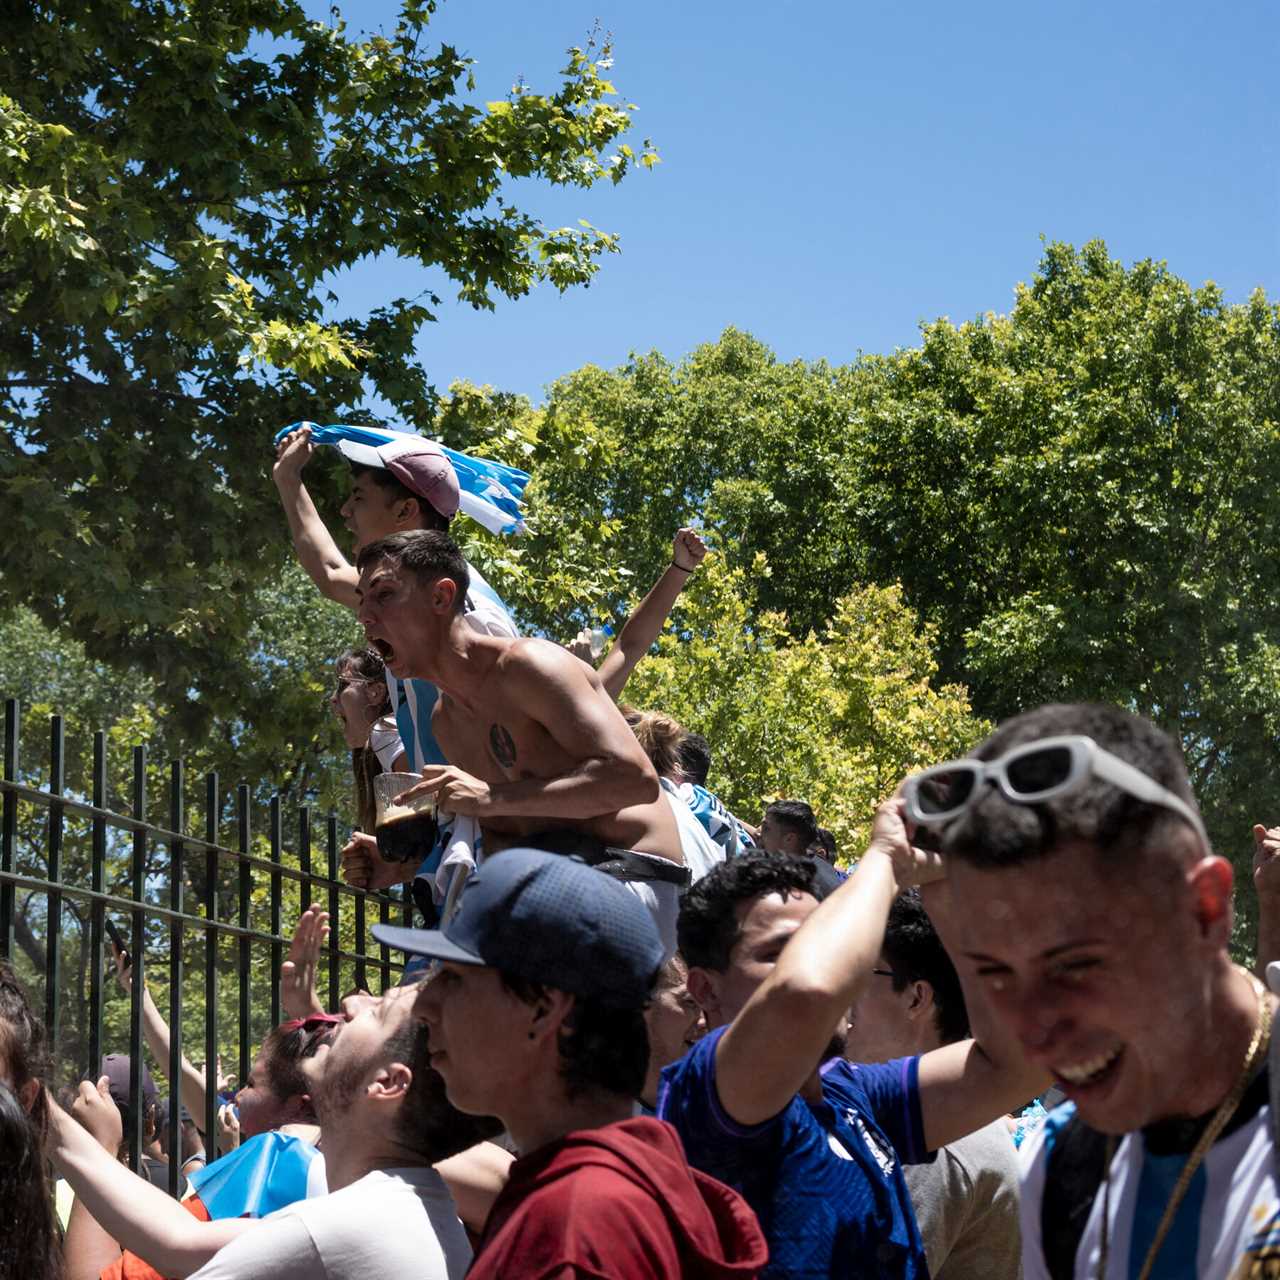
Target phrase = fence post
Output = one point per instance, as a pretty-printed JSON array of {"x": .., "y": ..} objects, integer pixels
[
  {"x": 9, "y": 827},
  {"x": 53, "y": 940},
  {"x": 335, "y": 964},
  {"x": 212, "y": 813},
  {"x": 138, "y": 944},
  {"x": 97, "y": 908},
  {"x": 177, "y": 937},
  {"x": 245, "y": 899},
  {"x": 277, "y": 953}
]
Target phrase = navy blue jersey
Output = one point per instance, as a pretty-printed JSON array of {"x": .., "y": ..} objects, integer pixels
[{"x": 825, "y": 1181}]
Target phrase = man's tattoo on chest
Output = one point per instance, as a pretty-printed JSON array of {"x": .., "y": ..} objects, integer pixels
[{"x": 502, "y": 745}]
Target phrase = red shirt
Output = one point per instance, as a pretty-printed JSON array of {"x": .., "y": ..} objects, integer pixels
[{"x": 620, "y": 1202}]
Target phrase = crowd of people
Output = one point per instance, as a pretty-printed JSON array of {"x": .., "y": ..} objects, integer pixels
[{"x": 639, "y": 1035}]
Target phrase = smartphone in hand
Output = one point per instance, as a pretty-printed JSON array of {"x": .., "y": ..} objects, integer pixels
[{"x": 117, "y": 939}]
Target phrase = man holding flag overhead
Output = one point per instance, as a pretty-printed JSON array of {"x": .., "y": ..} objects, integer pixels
[{"x": 399, "y": 482}]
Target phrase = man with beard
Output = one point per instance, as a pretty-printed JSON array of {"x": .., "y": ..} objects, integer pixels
[
  {"x": 385, "y": 1122},
  {"x": 540, "y": 754},
  {"x": 766, "y": 1103},
  {"x": 1093, "y": 916}
]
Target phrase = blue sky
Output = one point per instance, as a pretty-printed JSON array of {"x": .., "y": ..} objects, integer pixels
[{"x": 835, "y": 173}]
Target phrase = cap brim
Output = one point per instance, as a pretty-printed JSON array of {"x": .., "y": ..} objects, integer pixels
[
  {"x": 424, "y": 942},
  {"x": 363, "y": 455}
]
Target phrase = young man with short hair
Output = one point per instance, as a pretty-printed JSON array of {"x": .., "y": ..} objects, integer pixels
[
  {"x": 766, "y": 1103},
  {"x": 537, "y": 1015},
  {"x": 966, "y": 1200},
  {"x": 788, "y": 827},
  {"x": 540, "y": 753},
  {"x": 1092, "y": 915}
]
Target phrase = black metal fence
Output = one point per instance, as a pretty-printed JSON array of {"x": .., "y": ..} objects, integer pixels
[{"x": 201, "y": 907}]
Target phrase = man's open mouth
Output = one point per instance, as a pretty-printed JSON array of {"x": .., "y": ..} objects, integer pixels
[
  {"x": 1089, "y": 1072},
  {"x": 385, "y": 650}
]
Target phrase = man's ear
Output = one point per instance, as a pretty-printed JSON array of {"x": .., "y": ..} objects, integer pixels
[
  {"x": 548, "y": 1013},
  {"x": 1210, "y": 882},
  {"x": 920, "y": 1004},
  {"x": 27, "y": 1095},
  {"x": 391, "y": 1081},
  {"x": 444, "y": 591},
  {"x": 704, "y": 986},
  {"x": 408, "y": 513}
]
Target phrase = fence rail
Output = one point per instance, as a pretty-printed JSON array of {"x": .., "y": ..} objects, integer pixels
[{"x": 226, "y": 871}]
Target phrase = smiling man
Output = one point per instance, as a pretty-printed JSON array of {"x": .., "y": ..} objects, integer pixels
[
  {"x": 1093, "y": 918},
  {"x": 540, "y": 754}
]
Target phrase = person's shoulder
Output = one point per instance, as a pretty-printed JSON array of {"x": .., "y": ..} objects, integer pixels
[
  {"x": 870, "y": 1080},
  {"x": 532, "y": 658}
]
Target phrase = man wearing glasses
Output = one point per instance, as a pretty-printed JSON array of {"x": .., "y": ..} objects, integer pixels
[{"x": 1093, "y": 918}]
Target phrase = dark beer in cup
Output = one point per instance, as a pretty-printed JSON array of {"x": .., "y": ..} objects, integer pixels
[{"x": 404, "y": 834}]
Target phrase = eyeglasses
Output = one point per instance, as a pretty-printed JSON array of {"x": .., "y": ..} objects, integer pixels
[
  {"x": 1031, "y": 773},
  {"x": 885, "y": 973}
]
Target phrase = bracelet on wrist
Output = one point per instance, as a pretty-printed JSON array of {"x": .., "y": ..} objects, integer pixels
[{"x": 680, "y": 567}]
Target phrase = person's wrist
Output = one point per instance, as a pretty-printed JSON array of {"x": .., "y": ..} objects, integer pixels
[{"x": 683, "y": 568}]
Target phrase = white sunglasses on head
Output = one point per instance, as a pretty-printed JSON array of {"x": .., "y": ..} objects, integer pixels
[{"x": 1031, "y": 773}]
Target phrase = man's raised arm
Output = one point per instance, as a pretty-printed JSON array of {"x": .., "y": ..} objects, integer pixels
[
  {"x": 317, "y": 552},
  {"x": 644, "y": 626},
  {"x": 776, "y": 1043}
]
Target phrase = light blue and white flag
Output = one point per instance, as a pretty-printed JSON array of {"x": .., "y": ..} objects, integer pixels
[{"x": 489, "y": 492}]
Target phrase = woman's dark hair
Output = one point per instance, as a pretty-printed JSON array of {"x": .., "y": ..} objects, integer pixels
[
  {"x": 601, "y": 1047},
  {"x": 28, "y": 1240},
  {"x": 287, "y": 1046},
  {"x": 366, "y": 665}
]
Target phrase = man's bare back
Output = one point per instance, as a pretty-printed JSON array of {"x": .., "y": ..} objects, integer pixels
[{"x": 537, "y": 713}]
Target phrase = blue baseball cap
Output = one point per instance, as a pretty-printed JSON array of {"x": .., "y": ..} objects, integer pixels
[{"x": 548, "y": 919}]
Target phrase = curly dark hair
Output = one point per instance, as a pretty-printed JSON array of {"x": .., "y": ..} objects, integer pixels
[
  {"x": 28, "y": 1240},
  {"x": 601, "y": 1046},
  {"x": 708, "y": 926},
  {"x": 993, "y": 833}
]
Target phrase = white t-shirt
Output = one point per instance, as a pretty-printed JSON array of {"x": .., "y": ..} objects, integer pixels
[
  {"x": 1228, "y": 1219},
  {"x": 702, "y": 854},
  {"x": 398, "y": 1223}
]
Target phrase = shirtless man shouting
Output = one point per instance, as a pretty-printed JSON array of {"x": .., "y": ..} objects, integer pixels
[{"x": 540, "y": 754}]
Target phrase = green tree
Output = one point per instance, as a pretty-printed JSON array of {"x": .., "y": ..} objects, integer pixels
[
  {"x": 179, "y": 186},
  {"x": 836, "y": 718},
  {"x": 1080, "y": 497}
]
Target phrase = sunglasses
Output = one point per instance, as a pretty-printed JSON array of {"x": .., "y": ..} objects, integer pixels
[{"x": 1031, "y": 773}]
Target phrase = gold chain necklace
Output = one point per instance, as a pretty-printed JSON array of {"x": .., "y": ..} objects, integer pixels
[{"x": 1226, "y": 1109}]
